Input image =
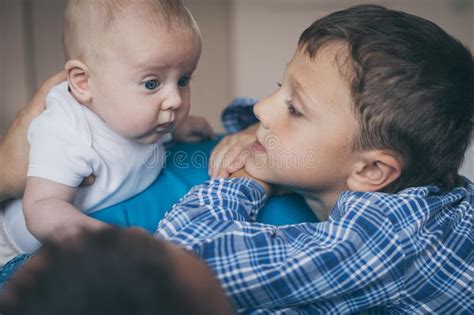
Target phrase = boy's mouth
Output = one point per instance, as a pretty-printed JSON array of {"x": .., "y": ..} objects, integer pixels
[{"x": 258, "y": 147}]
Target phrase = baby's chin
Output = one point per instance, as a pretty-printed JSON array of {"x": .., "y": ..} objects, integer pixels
[{"x": 149, "y": 139}]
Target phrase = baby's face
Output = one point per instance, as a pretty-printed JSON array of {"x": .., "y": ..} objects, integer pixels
[
  {"x": 141, "y": 89},
  {"x": 306, "y": 127}
]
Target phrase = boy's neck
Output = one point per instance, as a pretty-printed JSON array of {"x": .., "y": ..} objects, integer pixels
[
  {"x": 321, "y": 203},
  {"x": 318, "y": 207}
]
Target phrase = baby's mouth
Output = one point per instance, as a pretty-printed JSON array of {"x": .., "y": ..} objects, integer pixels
[{"x": 167, "y": 125}]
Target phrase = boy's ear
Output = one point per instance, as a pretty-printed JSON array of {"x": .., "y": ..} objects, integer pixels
[
  {"x": 78, "y": 76},
  {"x": 375, "y": 170}
]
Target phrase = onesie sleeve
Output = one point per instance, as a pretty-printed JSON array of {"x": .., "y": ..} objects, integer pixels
[{"x": 60, "y": 145}]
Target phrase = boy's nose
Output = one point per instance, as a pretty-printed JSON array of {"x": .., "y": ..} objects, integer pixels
[
  {"x": 173, "y": 101},
  {"x": 259, "y": 112}
]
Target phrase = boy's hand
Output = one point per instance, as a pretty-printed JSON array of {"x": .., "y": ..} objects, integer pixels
[
  {"x": 194, "y": 129},
  {"x": 231, "y": 153},
  {"x": 243, "y": 173}
]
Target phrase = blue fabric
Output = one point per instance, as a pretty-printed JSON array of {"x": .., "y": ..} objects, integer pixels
[
  {"x": 186, "y": 166},
  {"x": 7, "y": 271},
  {"x": 404, "y": 253}
]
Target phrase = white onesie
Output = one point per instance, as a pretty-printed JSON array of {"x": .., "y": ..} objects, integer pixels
[{"x": 69, "y": 142}]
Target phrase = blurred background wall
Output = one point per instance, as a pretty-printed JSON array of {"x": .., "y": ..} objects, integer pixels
[{"x": 247, "y": 44}]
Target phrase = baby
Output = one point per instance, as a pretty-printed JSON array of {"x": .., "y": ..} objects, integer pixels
[{"x": 129, "y": 64}]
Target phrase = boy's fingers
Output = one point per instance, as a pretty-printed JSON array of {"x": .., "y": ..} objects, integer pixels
[
  {"x": 222, "y": 174},
  {"x": 216, "y": 158},
  {"x": 214, "y": 165},
  {"x": 237, "y": 165}
]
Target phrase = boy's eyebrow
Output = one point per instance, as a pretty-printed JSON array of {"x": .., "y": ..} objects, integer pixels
[{"x": 299, "y": 88}]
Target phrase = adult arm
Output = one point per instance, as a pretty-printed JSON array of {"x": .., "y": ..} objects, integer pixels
[
  {"x": 340, "y": 266},
  {"x": 14, "y": 145}
]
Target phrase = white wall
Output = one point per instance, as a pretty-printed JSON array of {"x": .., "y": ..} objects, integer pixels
[
  {"x": 14, "y": 90},
  {"x": 265, "y": 32}
]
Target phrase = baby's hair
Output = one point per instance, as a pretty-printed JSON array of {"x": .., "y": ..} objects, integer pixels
[
  {"x": 411, "y": 86},
  {"x": 87, "y": 22}
]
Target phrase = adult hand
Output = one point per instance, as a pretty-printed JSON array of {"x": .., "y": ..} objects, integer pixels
[
  {"x": 194, "y": 129},
  {"x": 14, "y": 147},
  {"x": 231, "y": 152},
  {"x": 243, "y": 173}
]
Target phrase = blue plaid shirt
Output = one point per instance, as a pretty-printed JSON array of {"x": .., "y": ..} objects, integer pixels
[{"x": 410, "y": 252}]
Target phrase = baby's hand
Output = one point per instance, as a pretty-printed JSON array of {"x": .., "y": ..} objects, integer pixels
[
  {"x": 232, "y": 152},
  {"x": 194, "y": 129}
]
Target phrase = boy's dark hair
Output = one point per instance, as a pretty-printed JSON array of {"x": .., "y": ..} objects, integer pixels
[
  {"x": 98, "y": 273},
  {"x": 412, "y": 86}
]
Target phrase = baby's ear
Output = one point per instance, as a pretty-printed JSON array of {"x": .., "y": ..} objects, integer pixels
[
  {"x": 375, "y": 170},
  {"x": 78, "y": 76}
]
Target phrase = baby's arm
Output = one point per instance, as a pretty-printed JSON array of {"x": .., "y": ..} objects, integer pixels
[{"x": 49, "y": 212}]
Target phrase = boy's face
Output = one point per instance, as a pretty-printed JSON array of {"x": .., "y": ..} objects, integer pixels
[
  {"x": 141, "y": 89},
  {"x": 306, "y": 128}
]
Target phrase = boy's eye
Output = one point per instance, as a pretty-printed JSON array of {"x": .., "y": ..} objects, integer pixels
[
  {"x": 292, "y": 111},
  {"x": 279, "y": 84},
  {"x": 151, "y": 84},
  {"x": 184, "y": 81}
]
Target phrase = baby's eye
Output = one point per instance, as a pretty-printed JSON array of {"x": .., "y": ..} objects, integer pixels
[
  {"x": 292, "y": 111},
  {"x": 184, "y": 81},
  {"x": 151, "y": 84}
]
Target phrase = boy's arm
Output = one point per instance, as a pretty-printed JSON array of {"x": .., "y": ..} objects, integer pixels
[
  {"x": 325, "y": 266},
  {"x": 49, "y": 212},
  {"x": 236, "y": 199}
]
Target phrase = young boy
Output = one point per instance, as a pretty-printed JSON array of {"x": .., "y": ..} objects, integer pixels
[
  {"x": 384, "y": 101},
  {"x": 128, "y": 67},
  {"x": 370, "y": 125}
]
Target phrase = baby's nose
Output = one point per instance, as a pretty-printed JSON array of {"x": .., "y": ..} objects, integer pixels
[{"x": 173, "y": 101}]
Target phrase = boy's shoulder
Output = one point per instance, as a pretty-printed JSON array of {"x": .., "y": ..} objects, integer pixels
[{"x": 408, "y": 205}]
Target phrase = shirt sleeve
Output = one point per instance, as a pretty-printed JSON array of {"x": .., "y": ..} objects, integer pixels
[
  {"x": 329, "y": 267},
  {"x": 239, "y": 114},
  {"x": 59, "y": 148},
  {"x": 219, "y": 200}
]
